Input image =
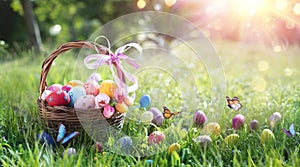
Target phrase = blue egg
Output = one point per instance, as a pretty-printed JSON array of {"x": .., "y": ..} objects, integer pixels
[
  {"x": 124, "y": 144},
  {"x": 75, "y": 93},
  {"x": 145, "y": 101},
  {"x": 46, "y": 138},
  {"x": 149, "y": 162}
]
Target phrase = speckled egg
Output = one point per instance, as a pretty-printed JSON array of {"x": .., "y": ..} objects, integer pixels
[
  {"x": 58, "y": 98},
  {"x": 66, "y": 88},
  {"x": 156, "y": 137},
  {"x": 91, "y": 87},
  {"x": 85, "y": 102},
  {"x": 55, "y": 87},
  {"x": 102, "y": 100},
  {"x": 121, "y": 107},
  {"x": 108, "y": 87},
  {"x": 94, "y": 76},
  {"x": 75, "y": 93},
  {"x": 74, "y": 83},
  {"x": 45, "y": 94}
]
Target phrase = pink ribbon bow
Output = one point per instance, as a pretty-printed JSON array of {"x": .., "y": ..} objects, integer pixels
[{"x": 115, "y": 60}]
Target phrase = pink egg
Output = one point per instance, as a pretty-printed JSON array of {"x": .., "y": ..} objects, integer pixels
[
  {"x": 66, "y": 88},
  {"x": 102, "y": 100},
  {"x": 156, "y": 137},
  {"x": 55, "y": 87},
  {"x": 108, "y": 111},
  {"x": 91, "y": 87},
  {"x": 85, "y": 102},
  {"x": 58, "y": 98}
]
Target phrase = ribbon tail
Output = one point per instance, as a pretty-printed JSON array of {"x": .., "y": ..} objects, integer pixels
[
  {"x": 131, "y": 78},
  {"x": 124, "y": 48},
  {"x": 95, "y": 60}
]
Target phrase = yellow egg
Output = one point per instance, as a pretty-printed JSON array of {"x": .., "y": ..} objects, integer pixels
[
  {"x": 211, "y": 128},
  {"x": 121, "y": 107},
  {"x": 231, "y": 139},
  {"x": 267, "y": 137},
  {"x": 108, "y": 87},
  {"x": 128, "y": 101},
  {"x": 173, "y": 147},
  {"x": 74, "y": 83}
]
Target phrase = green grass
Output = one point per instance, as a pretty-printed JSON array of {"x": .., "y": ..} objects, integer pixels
[{"x": 261, "y": 92}]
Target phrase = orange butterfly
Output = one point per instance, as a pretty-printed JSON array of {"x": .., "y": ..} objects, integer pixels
[
  {"x": 234, "y": 103},
  {"x": 168, "y": 114}
]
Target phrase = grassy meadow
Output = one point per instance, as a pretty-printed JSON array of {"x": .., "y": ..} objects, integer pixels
[{"x": 265, "y": 81}]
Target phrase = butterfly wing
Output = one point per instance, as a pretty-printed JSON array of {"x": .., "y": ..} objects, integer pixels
[
  {"x": 292, "y": 130},
  {"x": 167, "y": 113},
  {"x": 69, "y": 137},
  {"x": 61, "y": 132},
  {"x": 288, "y": 133},
  {"x": 176, "y": 113}
]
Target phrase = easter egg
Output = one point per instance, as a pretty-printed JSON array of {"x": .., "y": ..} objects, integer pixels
[
  {"x": 94, "y": 76},
  {"x": 55, "y": 87},
  {"x": 156, "y": 137},
  {"x": 85, "y": 102},
  {"x": 102, "y": 100},
  {"x": 46, "y": 138},
  {"x": 128, "y": 101},
  {"x": 158, "y": 117},
  {"x": 75, "y": 93},
  {"x": 108, "y": 87},
  {"x": 66, "y": 88},
  {"x": 145, "y": 101},
  {"x": 238, "y": 121},
  {"x": 121, "y": 107},
  {"x": 146, "y": 117},
  {"x": 274, "y": 119},
  {"x": 211, "y": 128},
  {"x": 74, "y": 83},
  {"x": 108, "y": 111},
  {"x": 231, "y": 139},
  {"x": 58, "y": 98},
  {"x": 45, "y": 94},
  {"x": 124, "y": 144},
  {"x": 91, "y": 87},
  {"x": 204, "y": 140},
  {"x": 99, "y": 147},
  {"x": 173, "y": 147},
  {"x": 69, "y": 151},
  {"x": 267, "y": 137},
  {"x": 199, "y": 118},
  {"x": 254, "y": 125}
]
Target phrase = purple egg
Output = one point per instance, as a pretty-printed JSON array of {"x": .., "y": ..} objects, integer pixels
[
  {"x": 254, "y": 125},
  {"x": 98, "y": 147},
  {"x": 55, "y": 87},
  {"x": 238, "y": 121},
  {"x": 158, "y": 117},
  {"x": 199, "y": 118}
]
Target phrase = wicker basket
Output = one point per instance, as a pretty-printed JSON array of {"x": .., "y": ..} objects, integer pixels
[{"x": 54, "y": 116}]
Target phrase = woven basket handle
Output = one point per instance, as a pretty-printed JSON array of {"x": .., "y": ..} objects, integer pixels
[{"x": 62, "y": 48}]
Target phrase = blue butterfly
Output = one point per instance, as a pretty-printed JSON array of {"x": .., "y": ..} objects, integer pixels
[
  {"x": 291, "y": 132},
  {"x": 61, "y": 136}
]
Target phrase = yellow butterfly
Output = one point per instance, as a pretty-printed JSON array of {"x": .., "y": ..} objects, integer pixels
[
  {"x": 234, "y": 103},
  {"x": 168, "y": 114}
]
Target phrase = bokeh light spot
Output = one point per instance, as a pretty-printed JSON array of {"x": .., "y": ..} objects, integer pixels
[
  {"x": 263, "y": 65},
  {"x": 141, "y": 4},
  {"x": 55, "y": 30},
  {"x": 170, "y": 3},
  {"x": 259, "y": 84},
  {"x": 281, "y": 5},
  {"x": 296, "y": 9},
  {"x": 288, "y": 72},
  {"x": 277, "y": 48}
]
